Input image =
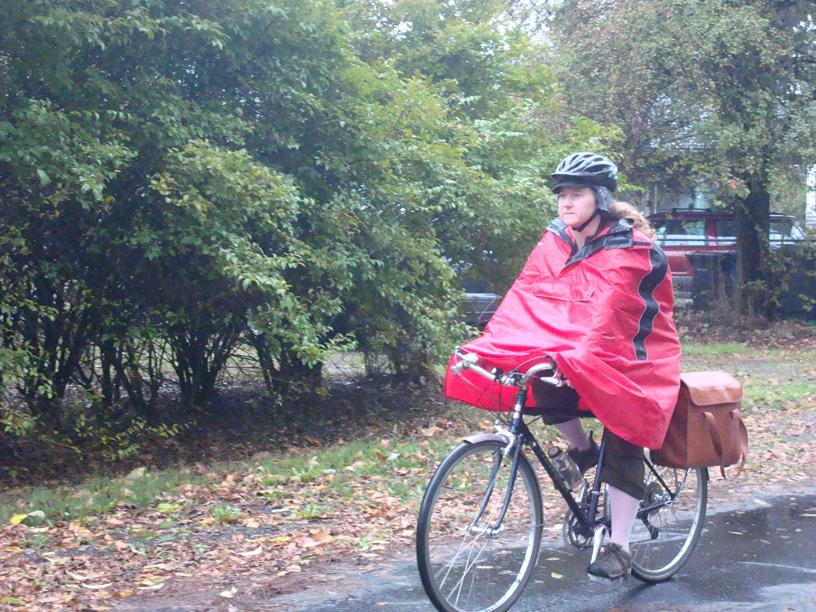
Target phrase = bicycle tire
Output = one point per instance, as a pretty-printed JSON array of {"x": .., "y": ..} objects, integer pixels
[
  {"x": 464, "y": 568},
  {"x": 664, "y": 539}
]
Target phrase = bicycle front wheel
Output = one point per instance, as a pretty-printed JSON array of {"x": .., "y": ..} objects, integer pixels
[
  {"x": 669, "y": 521},
  {"x": 467, "y": 560}
]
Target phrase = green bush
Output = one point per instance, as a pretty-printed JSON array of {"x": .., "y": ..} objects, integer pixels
[{"x": 181, "y": 183}]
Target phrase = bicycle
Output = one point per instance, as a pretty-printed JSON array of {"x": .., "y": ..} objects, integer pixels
[{"x": 479, "y": 531}]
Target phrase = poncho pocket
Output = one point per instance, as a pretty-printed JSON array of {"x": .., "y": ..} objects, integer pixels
[{"x": 562, "y": 291}]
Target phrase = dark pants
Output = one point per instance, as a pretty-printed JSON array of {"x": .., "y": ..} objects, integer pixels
[{"x": 623, "y": 461}]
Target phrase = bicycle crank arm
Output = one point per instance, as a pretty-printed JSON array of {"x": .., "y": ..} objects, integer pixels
[{"x": 597, "y": 540}]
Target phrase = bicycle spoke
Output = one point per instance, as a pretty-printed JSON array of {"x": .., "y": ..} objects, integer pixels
[
  {"x": 488, "y": 521},
  {"x": 662, "y": 540},
  {"x": 468, "y": 565},
  {"x": 467, "y": 562}
]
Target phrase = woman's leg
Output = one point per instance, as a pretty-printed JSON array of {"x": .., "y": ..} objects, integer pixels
[
  {"x": 624, "y": 509},
  {"x": 560, "y": 409},
  {"x": 574, "y": 433},
  {"x": 623, "y": 466},
  {"x": 623, "y": 471}
]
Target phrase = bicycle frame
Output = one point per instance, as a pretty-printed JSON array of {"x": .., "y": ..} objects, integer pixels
[
  {"x": 472, "y": 521},
  {"x": 520, "y": 435}
]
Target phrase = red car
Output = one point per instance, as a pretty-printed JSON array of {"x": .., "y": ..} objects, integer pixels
[{"x": 682, "y": 232}]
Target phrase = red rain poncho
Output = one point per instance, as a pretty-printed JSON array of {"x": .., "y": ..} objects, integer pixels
[{"x": 604, "y": 312}]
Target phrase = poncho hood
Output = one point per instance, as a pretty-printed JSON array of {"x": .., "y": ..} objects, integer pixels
[{"x": 604, "y": 312}]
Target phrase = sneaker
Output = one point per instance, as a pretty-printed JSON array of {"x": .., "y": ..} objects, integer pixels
[
  {"x": 613, "y": 563},
  {"x": 585, "y": 459}
]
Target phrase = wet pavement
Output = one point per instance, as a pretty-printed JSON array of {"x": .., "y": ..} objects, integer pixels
[{"x": 760, "y": 558}]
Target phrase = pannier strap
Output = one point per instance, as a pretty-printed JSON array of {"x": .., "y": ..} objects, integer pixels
[
  {"x": 715, "y": 435},
  {"x": 710, "y": 388},
  {"x": 717, "y": 442},
  {"x": 743, "y": 445}
]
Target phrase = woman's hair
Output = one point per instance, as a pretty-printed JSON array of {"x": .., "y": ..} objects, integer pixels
[{"x": 624, "y": 210}]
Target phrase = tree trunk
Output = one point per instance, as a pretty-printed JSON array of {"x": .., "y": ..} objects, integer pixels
[
  {"x": 753, "y": 225},
  {"x": 298, "y": 376}
]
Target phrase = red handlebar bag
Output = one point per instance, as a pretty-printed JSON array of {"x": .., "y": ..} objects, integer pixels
[{"x": 604, "y": 313}]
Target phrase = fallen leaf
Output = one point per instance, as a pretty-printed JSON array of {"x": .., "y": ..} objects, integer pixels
[
  {"x": 98, "y": 587},
  {"x": 252, "y": 553},
  {"x": 136, "y": 473},
  {"x": 12, "y": 601},
  {"x": 76, "y": 528},
  {"x": 34, "y": 518}
]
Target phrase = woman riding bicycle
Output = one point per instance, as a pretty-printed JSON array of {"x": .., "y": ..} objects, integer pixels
[{"x": 596, "y": 296}]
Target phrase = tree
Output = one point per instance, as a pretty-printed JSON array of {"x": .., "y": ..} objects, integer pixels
[
  {"x": 507, "y": 116},
  {"x": 715, "y": 89},
  {"x": 178, "y": 180}
]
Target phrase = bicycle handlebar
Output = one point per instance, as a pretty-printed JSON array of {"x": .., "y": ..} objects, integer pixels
[{"x": 514, "y": 378}]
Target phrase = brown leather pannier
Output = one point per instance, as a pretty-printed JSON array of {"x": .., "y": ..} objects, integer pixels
[{"x": 706, "y": 428}]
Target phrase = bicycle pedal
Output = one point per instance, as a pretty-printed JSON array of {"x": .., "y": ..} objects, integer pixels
[{"x": 620, "y": 580}]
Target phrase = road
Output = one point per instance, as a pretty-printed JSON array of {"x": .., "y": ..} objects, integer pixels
[{"x": 759, "y": 557}]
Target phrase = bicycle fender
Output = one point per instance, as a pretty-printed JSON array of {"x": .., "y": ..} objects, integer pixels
[{"x": 503, "y": 439}]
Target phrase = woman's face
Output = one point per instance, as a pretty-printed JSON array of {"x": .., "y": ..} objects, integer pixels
[{"x": 575, "y": 205}]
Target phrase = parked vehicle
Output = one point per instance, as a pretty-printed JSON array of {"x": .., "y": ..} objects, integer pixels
[
  {"x": 684, "y": 234},
  {"x": 479, "y": 304},
  {"x": 478, "y": 307},
  {"x": 685, "y": 231}
]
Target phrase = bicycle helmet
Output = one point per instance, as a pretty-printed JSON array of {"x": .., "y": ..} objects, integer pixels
[{"x": 586, "y": 169}]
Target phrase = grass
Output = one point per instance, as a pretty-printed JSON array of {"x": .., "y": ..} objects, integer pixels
[
  {"x": 743, "y": 352},
  {"x": 765, "y": 394},
  {"x": 226, "y": 513},
  {"x": 312, "y": 512},
  {"x": 716, "y": 349},
  {"x": 398, "y": 465},
  {"x": 403, "y": 463},
  {"x": 95, "y": 496}
]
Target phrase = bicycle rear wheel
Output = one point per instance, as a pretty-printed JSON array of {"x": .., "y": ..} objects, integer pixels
[
  {"x": 669, "y": 521},
  {"x": 464, "y": 565}
]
